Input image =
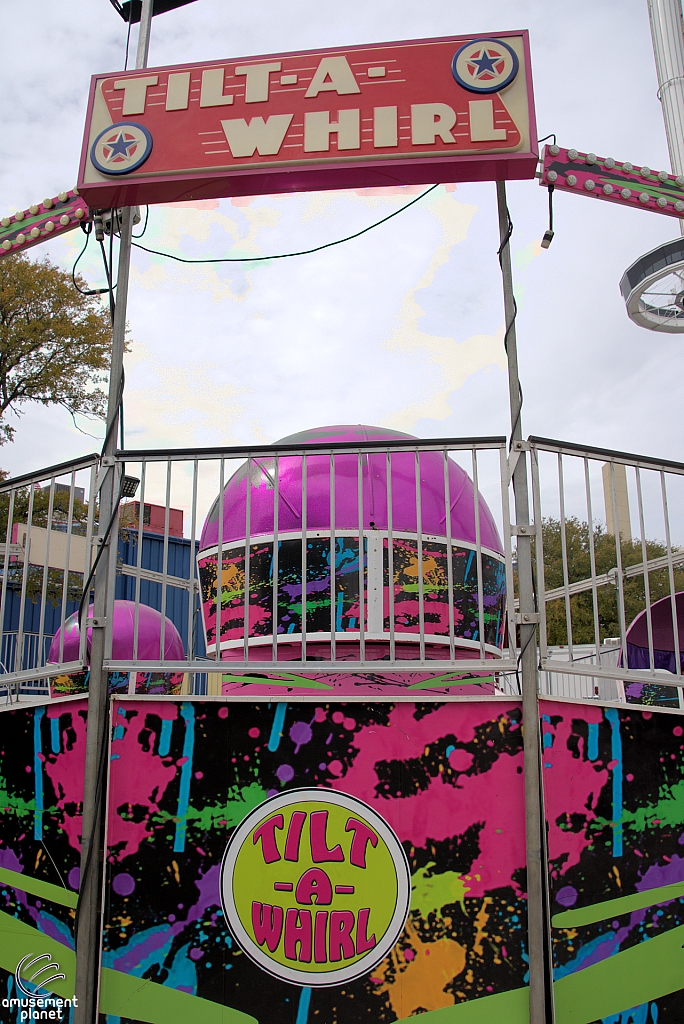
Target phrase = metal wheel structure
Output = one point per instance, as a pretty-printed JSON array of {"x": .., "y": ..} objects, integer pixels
[{"x": 653, "y": 289}]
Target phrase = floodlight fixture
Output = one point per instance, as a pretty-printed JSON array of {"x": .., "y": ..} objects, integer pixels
[{"x": 130, "y": 9}]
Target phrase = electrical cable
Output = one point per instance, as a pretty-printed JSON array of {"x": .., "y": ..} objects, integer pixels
[
  {"x": 147, "y": 217},
  {"x": 509, "y": 327},
  {"x": 287, "y": 255},
  {"x": 128, "y": 35},
  {"x": 546, "y": 137},
  {"x": 87, "y": 230}
]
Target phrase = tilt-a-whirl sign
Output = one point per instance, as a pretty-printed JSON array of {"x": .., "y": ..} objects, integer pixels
[
  {"x": 315, "y": 887},
  {"x": 451, "y": 109}
]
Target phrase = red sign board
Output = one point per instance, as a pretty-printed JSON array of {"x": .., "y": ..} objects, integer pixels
[{"x": 454, "y": 109}]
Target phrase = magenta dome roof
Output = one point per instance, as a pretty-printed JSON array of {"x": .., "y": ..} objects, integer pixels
[
  {"x": 149, "y": 634},
  {"x": 346, "y": 492}
]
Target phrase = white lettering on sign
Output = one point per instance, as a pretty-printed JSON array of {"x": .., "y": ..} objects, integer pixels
[
  {"x": 333, "y": 74},
  {"x": 429, "y": 120},
  {"x": 264, "y": 137},
  {"x": 318, "y": 128},
  {"x": 178, "y": 91},
  {"x": 212, "y": 89},
  {"x": 385, "y": 123},
  {"x": 135, "y": 93},
  {"x": 257, "y": 75},
  {"x": 482, "y": 122}
]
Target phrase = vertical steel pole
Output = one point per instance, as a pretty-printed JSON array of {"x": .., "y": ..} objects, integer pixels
[
  {"x": 89, "y": 911},
  {"x": 528, "y": 646},
  {"x": 665, "y": 17}
]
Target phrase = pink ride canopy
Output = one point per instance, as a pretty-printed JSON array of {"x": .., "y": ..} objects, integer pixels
[
  {"x": 374, "y": 491},
  {"x": 149, "y": 635}
]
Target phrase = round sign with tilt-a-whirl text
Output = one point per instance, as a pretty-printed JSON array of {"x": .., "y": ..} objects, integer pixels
[{"x": 315, "y": 887}]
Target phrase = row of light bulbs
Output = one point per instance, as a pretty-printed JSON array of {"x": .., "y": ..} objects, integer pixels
[
  {"x": 608, "y": 190},
  {"x": 49, "y": 225}
]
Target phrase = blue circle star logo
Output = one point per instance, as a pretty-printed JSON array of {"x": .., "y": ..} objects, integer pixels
[
  {"x": 485, "y": 65},
  {"x": 121, "y": 148}
]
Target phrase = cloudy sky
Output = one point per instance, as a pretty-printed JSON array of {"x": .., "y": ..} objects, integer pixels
[{"x": 402, "y": 327}]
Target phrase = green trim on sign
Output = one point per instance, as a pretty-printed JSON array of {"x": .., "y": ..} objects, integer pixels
[
  {"x": 615, "y": 908},
  {"x": 285, "y": 680},
  {"x": 448, "y": 680},
  {"x": 512, "y": 1007},
  {"x": 123, "y": 995},
  {"x": 635, "y": 976},
  {"x": 18, "y": 940},
  {"x": 37, "y": 887}
]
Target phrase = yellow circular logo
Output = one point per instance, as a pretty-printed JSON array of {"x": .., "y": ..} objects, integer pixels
[{"x": 315, "y": 887}]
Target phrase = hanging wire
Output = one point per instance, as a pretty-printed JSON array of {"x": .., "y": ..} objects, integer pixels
[
  {"x": 509, "y": 327},
  {"x": 287, "y": 255}
]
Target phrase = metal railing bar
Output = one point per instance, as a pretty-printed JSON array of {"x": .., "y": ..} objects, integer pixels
[
  {"x": 619, "y": 579},
  {"x": 592, "y": 559},
  {"x": 603, "y": 672},
  {"x": 276, "y": 561},
  {"x": 46, "y": 567},
  {"x": 24, "y": 583},
  {"x": 193, "y": 582},
  {"x": 305, "y": 569},
  {"x": 450, "y": 554},
  {"x": 247, "y": 564},
  {"x": 478, "y": 550},
  {"x": 67, "y": 562},
  {"x": 604, "y": 454},
  {"x": 90, "y": 529},
  {"x": 564, "y": 553},
  {"x": 219, "y": 562},
  {"x": 607, "y": 578},
  {"x": 5, "y": 573},
  {"x": 165, "y": 561},
  {"x": 465, "y": 667},
  {"x": 362, "y": 559},
  {"x": 61, "y": 469},
  {"x": 647, "y": 585},
  {"x": 670, "y": 568},
  {"x": 539, "y": 557},
  {"x": 138, "y": 571},
  {"x": 333, "y": 594},
  {"x": 390, "y": 563},
  {"x": 419, "y": 551}
]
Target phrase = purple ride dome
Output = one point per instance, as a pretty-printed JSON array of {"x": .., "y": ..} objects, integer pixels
[
  {"x": 403, "y": 480},
  {"x": 123, "y": 633}
]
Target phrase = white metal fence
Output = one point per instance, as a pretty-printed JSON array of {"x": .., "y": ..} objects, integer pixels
[{"x": 389, "y": 554}]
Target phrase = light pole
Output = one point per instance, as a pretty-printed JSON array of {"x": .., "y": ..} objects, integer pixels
[{"x": 88, "y": 914}]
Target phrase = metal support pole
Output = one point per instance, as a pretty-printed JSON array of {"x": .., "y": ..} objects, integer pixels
[
  {"x": 528, "y": 645},
  {"x": 89, "y": 912}
]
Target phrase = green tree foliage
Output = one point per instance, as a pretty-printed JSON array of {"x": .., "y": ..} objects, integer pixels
[
  {"x": 55, "y": 343},
  {"x": 577, "y": 539}
]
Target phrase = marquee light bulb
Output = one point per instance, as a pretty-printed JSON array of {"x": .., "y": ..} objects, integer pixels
[
  {"x": 608, "y": 190},
  {"x": 554, "y": 150},
  {"x": 33, "y": 209},
  {"x": 552, "y": 176},
  {"x": 589, "y": 185},
  {"x": 572, "y": 179},
  {"x": 609, "y": 163},
  {"x": 628, "y": 167},
  {"x": 645, "y": 172},
  {"x": 591, "y": 158},
  {"x": 662, "y": 202},
  {"x": 50, "y": 225},
  {"x": 63, "y": 196},
  {"x": 663, "y": 175},
  {"x": 35, "y": 232},
  {"x": 679, "y": 206},
  {"x": 20, "y": 239},
  {"x": 7, "y": 244},
  {"x": 572, "y": 154},
  {"x": 625, "y": 193},
  {"x": 47, "y": 204},
  {"x": 64, "y": 220},
  {"x": 19, "y": 215},
  {"x": 644, "y": 197},
  {"x": 80, "y": 213}
]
